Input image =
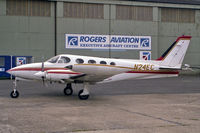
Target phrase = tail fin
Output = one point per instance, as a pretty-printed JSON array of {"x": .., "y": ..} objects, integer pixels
[{"x": 174, "y": 55}]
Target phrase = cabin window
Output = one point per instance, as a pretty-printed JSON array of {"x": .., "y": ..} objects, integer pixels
[
  {"x": 91, "y": 61},
  {"x": 103, "y": 62},
  {"x": 112, "y": 63},
  {"x": 79, "y": 61},
  {"x": 64, "y": 60}
]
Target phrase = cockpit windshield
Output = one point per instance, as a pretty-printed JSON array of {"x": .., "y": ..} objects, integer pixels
[
  {"x": 53, "y": 59},
  {"x": 64, "y": 59}
]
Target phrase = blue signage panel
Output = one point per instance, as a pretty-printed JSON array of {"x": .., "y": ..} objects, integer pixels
[
  {"x": 83, "y": 41},
  {"x": 145, "y": 55}
]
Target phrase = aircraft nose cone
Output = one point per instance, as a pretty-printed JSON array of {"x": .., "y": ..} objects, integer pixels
[{"x": 10, "y": 71}]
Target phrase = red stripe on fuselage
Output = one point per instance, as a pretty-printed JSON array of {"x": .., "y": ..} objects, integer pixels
[
  {"x": 154, "y": 72},
  {"x": 35, "y": 69}
]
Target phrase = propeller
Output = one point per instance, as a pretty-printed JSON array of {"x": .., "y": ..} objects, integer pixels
[
  {"x": 42, "y": 74},
  {"x": 42, "y": 70}
]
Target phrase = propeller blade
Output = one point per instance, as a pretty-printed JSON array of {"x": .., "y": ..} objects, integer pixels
[
  {"x": 43, "y": 73},
  {"x": 44, "y": 82},
  {"x": 42, "y": 64}
]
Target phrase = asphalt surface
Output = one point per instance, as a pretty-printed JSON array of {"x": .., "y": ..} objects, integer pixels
[{"x": 144, "y": 106}]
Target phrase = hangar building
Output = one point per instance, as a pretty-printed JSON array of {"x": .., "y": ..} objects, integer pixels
[{"x": 37, "y": 27}]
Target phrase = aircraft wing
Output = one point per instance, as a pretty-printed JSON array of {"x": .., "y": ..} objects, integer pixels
[
  {"x": 98, "y": 72},
  {"x": 86, "y": 73},
  {"x": 90, "y": 78}
]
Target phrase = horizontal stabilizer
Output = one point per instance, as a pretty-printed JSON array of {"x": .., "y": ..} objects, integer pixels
[{"x": 169, "y": 68}]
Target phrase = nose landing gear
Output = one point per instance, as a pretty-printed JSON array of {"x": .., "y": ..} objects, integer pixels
[{"x": 14, "y": 93}]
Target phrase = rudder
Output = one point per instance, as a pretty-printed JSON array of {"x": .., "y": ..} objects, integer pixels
[{"x": 174, "y": 55}]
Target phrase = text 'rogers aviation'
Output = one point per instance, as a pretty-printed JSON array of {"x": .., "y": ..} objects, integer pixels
[{"x": 68, "y": 69}]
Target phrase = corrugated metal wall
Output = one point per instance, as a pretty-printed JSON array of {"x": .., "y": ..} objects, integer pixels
[
  {"x": 28, "y": 8},
  {"x": 139, "y": 13},
  {"x": 177, "y": 15}
]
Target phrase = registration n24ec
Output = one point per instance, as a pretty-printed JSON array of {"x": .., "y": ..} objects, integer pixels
[{"x": 143, "y": 67}]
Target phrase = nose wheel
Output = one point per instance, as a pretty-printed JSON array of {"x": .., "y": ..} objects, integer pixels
[
  {"x": 14, "y": 93},
  {"x": 68, "y": 91}
]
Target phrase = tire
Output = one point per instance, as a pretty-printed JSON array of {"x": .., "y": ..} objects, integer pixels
[
  {"x": 14, "y": 94},
  {"x": 82, "y": 97},
  {"x": 68, "y": 91}
]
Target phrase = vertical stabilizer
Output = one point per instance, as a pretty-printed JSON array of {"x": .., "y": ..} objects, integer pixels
[{"x": 175, "y": 54}]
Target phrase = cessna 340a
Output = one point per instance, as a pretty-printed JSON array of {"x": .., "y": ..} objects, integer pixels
[{"x": 68, "y": 69}]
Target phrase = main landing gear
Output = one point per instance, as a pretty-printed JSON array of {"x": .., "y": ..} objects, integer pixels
[
  {"x": 68, "y": 91},
  {"x": 14, "y": 93},
  {"x": 83, "y": 94}
]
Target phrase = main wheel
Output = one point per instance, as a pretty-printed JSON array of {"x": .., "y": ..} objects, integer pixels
[
  {"x": 68, "y": 91},
  {"x": 14, "y": 94},
  {"x": 82, "y": 97}
]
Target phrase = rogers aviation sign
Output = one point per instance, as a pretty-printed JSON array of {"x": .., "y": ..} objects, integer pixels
[{"x": 83, "y": 41}]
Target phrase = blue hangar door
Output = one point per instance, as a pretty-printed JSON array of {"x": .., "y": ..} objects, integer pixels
[{"x": 7, "y": 62}]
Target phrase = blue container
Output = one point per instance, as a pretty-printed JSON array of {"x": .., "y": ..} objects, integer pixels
[{"x": 7, "y": 62}]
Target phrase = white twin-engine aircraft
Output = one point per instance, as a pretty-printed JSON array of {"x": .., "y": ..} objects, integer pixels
[{"x": 68, "y": 69}]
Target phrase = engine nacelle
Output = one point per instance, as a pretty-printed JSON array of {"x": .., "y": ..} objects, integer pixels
[{"x": 57, "y": 75}]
